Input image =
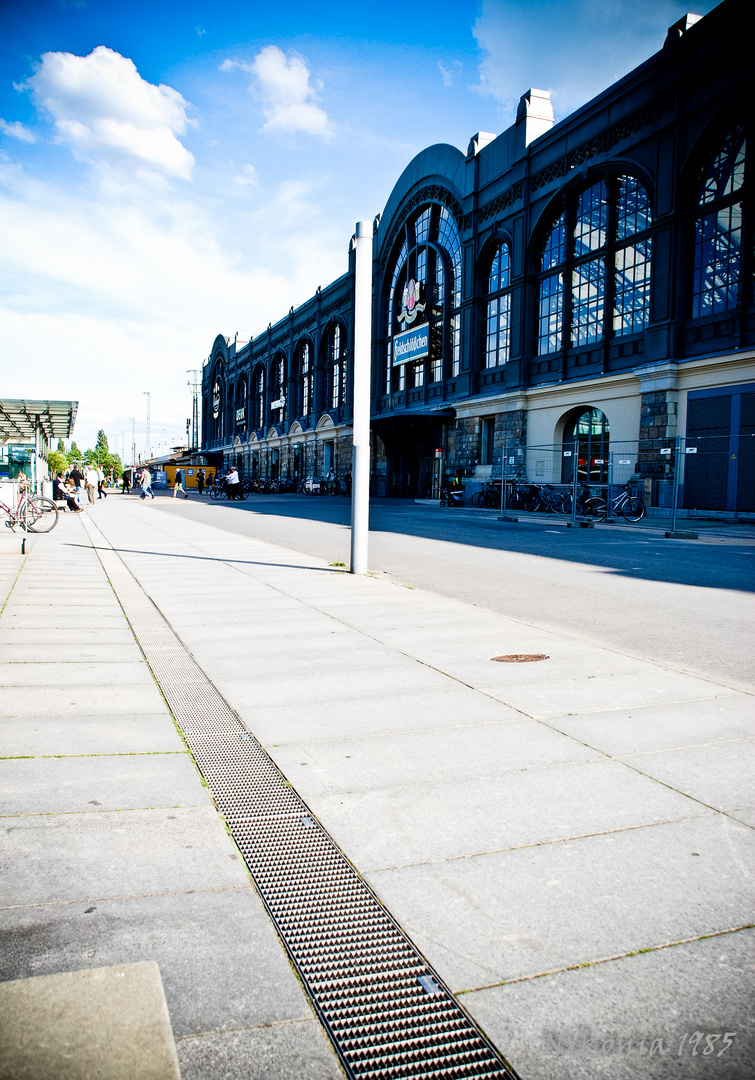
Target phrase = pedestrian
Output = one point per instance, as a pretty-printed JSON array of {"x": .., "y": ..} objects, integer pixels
[
  {"x": 200, "y": 481},
  {"x": 232, "y": 479},
  {"x": 92, "y": 479},
  {"x": 125, "y": 482},
  {"x": 210, "y": 481},
  {"x": 178, "y": 484},
  {"x": 347, "y": 481},
  {"x": 101, "y": 493},
  {"x": 78, "y": 480},
  {"x": 146, "y": 484}
]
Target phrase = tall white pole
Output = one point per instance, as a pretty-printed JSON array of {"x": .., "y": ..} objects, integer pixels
[{"x": 360, "y": 471}]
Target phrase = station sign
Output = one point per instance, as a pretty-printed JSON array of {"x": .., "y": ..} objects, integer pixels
[{"x": 411, "y": 345}]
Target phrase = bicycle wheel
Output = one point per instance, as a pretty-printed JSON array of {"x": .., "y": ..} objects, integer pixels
[
  {"x": 243, "y": 494},
  {"x": 633, "y": 509},
  {"x": 478, "y": 498},
  {"x": 41, "y": 515},
  {"x": 532, "y": 502},
  {"x": 596, "y": 508}
]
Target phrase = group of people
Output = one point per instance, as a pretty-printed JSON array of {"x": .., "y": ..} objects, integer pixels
[{"x": 70, "y": 487}]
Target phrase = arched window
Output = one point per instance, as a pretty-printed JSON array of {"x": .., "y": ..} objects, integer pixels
[
  {"x": 717, "y": 261},
  {"x": 304, "y": 378},
  {"x": 588, "y": 428},
  {"x": 217, "y": 403},
  {"x": 595, "y": 267},
  {"x": 230, "y": 426},
  {"x": 425, "y": 287},
  {"x": 498, "y": 311},
  {"x": 259, "y": 397},
  {"x": 335, "y": 367},
  {"x": 278, "y": 403}
]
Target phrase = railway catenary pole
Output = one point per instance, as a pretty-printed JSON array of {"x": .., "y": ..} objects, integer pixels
[{"x": 360, "y": 471}]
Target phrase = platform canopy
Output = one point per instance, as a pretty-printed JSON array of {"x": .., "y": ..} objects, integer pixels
[{"x": 23, "y": 419}]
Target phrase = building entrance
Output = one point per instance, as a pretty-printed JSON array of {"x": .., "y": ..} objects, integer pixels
[{"x": 410, "y": 445}]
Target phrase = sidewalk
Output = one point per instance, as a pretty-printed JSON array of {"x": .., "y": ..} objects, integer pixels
[{"x": 569, "y": 842}]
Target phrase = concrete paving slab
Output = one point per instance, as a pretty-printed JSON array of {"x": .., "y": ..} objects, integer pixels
[
  {"x": 600, "y": 1022},
  {"x": 412, "y": 709},
  {"x": 147, "y": 733},
  {"x": 78, "y": 700},
  {"x": 720, "y": 774},
  {"x": 88, "y": 618},
  {"x": 459, "y": 755},
  {"x": 115, "y": 673},
  {"x": 438, "y": 820},
  {"x": 94, "y": 653},
  {"x": 297, "y": 691},
  {"x": 221, "y": 961},
  {"x": 69, "y": 638},
  {"x": 268, "y": 1053},
  {"x": 59, "y": 857},
  {"x": 729, "y": 715},
  {"x": 64, "y": 785},
  {"x": 648, "y": 687},
  {"x": 496, "y": 917},
  {"x": 99, "y": 1022}
]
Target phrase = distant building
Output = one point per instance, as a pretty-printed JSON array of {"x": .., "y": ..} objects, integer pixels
[{"x": 583, "y": 288}]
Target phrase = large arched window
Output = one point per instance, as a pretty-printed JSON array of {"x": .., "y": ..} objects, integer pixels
[
  {"x": 335, "y": 366},
  {"x": 278, "y": 389},
  {"x": 717, "y": 261},
  {"x": 595, "y": 267},
  {"x": 258, "y": 384},
  {"x": 303, "y": 370},
  {"x": 428, "y": 255},
  {"x": 498, "y": 309},
  {"x": 588, "y": 428},
  {"x": 217, "y": 403}
]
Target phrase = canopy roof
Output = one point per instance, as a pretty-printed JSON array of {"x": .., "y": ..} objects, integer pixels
[{"x": 21, "y": 419}]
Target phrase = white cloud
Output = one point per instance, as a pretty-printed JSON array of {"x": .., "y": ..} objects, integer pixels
[
  {"x": 449, "y": 73},
  {"x": 105, "y": 112},
  {"x": 248, "y": 177},
  {"x": 284, "y": 86},
  {"x": 16, "y": 130}
]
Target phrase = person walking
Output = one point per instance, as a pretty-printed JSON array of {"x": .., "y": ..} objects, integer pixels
[
  {"x": 200, "y": 481},
  {"x": 146, "y": 484},
  {"x": 178, "y": 484},
  {"x": 92, "y": 479},
  {"x": 125, "y": 482},
  {"x": 101, "y": 493}
]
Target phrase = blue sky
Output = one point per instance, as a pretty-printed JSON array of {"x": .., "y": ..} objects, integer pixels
[{"x": 174, "y": 170}]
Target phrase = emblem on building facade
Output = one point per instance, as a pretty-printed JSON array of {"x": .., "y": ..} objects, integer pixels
[
  {"x": 411, "y": 302},
  {"x": 216, "y": 399}
]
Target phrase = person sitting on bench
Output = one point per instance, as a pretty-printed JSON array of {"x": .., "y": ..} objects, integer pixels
[{"x": 60, "y": 493}]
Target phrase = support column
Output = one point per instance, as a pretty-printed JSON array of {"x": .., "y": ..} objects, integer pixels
[{"x": 360, "y": 471}]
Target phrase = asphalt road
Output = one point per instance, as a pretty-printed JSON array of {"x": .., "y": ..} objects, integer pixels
[{"x": 685, "y": 604}]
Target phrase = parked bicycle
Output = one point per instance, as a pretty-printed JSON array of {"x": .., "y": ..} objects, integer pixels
[
  {"x": 488, "y": 498},
  {"x": 32, "y": 512},
  {"x": 631, "y": 507}
]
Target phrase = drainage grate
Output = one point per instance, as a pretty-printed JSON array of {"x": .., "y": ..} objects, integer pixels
[
  {"x": 519, "y": 658},
  {"x": 387, "y": 1012}
]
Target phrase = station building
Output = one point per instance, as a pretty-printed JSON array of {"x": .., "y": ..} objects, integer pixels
[{"x": 584, "y": 284}]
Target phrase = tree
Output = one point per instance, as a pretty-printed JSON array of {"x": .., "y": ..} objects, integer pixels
[
  {"x": 102, "y": 447},
  {"x": 61, "y": 446},
  {"x": 74, "y": 454},
  {"x": 57, "y": 461}
]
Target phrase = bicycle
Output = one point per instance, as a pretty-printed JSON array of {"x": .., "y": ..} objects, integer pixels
[
  {"x": 488, "y": 498},
  {"x": 631, "y": 507},
  {"x": 33, "y": 513}
]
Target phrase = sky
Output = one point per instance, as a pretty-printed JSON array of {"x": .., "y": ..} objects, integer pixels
[{"x": 172, "y": 170}]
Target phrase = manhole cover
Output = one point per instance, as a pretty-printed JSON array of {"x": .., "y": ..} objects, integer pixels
[{"x": 519, "y": 657}]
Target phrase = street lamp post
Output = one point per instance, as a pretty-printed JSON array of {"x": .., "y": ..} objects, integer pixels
[{"x": 149, "y": 441}]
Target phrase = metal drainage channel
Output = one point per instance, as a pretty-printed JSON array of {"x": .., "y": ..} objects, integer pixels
[{"x": 387, "y": 1012}]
